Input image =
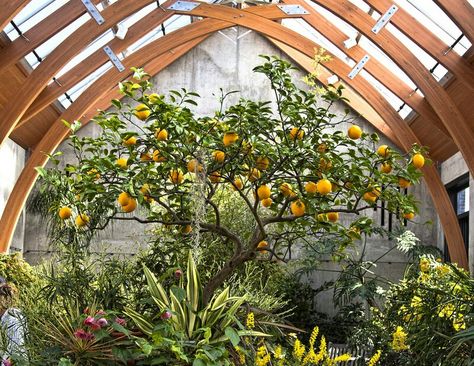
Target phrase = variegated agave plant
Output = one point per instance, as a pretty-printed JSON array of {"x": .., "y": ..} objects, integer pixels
[{"x": 201, "y": 323}]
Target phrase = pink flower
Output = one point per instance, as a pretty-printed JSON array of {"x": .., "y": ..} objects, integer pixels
[
  {"x": 95, "y": 326},
  {"x": 82, "y": 334},
  {"x": 121, "y": 321},
  {"x": 178, "y": 273},
  {"x": 89, "y": 321},
  {"x": 102, "y": 322},
  {"x": 7, "y": 363},
  {"x": 166, "y": 315}
]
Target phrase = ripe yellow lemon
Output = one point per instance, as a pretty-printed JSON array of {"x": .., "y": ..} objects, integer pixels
[
  {"x": 154, "y": 98},
  {"x": 122, "y": 162},
  {"x": 324, "y": 186},
  {"x": 130, "y": 141},
  {"x": 229, "y": 138},
  {"x": 254, "y": 174},
  {"x": 267, "y": 202},
  {"x": 219, "y": 156},
  {"x": 142, "y": 112},
  {"x": 333, "y": 216},
  {"x": 132, "y": 205},
  {"x": 287, "y": 190},
  {"x": 403, "y": 183},
  {"x": 262, "y": 245},
  {"x": 145, "y": 189},
  {"x": 262, "y": 163},
  {"x": 311, "y": 187},
  {"x": 145, "y": 157},
  {"x": 383, "y": 151},
  {"x": 215, "y": 177},
  {"x": 64, "y": 213},
  {"x": 409, "y": 215},
  {"x": 194, "y": 166},
  {"x": 369, "y": 197},
  {"x": 82, "y": 220},
  {"x": 298, "y": 208},
  {"x": 176, "y": 176},
  {"x": 187, "y": 229},
  {"x": 157, "y": 157},
  {"x": 238, "y": 184},
  {"x": 161, "y": 134},
  {"x": 263, "y": 192},
  {"x": 123, "y": 199},
  {"x": 418, "y": 161},
  {"x": 354, "y": 132},
  {"x": 385, "y": 168},
  {"x": 296, "y": 133}
]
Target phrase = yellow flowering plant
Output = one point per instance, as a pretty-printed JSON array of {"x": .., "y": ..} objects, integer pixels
[{"x": 423, "y": 314}]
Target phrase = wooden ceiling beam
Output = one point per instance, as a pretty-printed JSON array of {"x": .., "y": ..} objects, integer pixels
[
  {"x": 9, "y": 10},
  {"x": 98, "y": 58},
  {"x": 425, "y": 39},
  {"x": 286, "y": 36},
  {"x": 57, "y": 59},
  {"x": 460, "y": 131},
  {"x": 383, "y": 74},
  {"x": 41, "y": 32},
  {"x": 461, "y": 13}
]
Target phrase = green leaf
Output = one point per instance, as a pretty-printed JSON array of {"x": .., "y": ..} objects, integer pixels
[{"x": 233, "y": 336}]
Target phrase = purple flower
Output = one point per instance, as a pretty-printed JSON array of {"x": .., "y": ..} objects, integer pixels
[
  {"x": 166, "y": 315},
  {"x": 121, "y": 321},
  {"x": 178, "y": 273},
  {"x": 89, "y": 321},
  {"x": 7, "y": 363},
  {"x": 102, "y": 322},
  {"x": 82, "y": 334}
]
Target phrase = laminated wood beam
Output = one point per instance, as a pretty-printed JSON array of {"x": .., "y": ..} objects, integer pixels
[
  {"x": 424, "y": 38},
  {"x": 461, "y": 13},
  {"x": 461, "y": 133},
  {"x": 383, "y": 74},
  {"x": 98, "y": 58},
  {"x": 41, "y": 32},
  {"x": 52, "y": 139},
  {"x": 9, "y": 10},
  {"x": 69, "y": 48}
]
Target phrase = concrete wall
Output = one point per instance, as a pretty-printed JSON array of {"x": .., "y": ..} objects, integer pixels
[
  {"x": 12, "y": 158},
  {"x": 228, "y": 63}
]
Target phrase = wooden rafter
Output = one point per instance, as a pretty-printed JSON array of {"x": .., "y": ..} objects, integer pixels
[
  {"x": 383, "y": 74},
  {"x": 9, "y": 10},
  {"x": 289, "y": 38},
  {"x": 54, "y": 23},
  {"x": 72, "y": 46},
  {"x": 461, "y": 133},
  {"x": 461, "y": 13},
  {"x": 98, "y": 58},
  {"x": 431, "y": 44}
]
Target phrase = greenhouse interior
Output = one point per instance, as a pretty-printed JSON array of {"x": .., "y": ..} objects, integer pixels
[{"x": 236, "y": 182}]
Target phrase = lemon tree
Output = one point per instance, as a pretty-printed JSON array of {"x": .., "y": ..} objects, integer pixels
[{"x": 296, "y": 167}]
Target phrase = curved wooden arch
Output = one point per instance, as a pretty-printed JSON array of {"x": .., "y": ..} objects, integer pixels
[
  {"x": 453, "y": 120},
  {"x": 40, "y": 77},
  {"x": 461, "y": 13},
  {"x": 54, "y": 23},
  {"x": 384, "y": 75},
  {"x": 98, "y": 58},
  {"x": 424, "y": 38},
  {"x": 58, "y": 131},
  {"x": 9, "y": 10}
]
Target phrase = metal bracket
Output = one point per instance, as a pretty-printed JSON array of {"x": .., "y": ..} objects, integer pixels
[
  {"x": 290, "y": 9},
  {"x": 113, "y": 57},
  {"x": 93, "y": 11},
  {"x": 358, "y": 67},
  {"x": 184, "y": 6},
  {"x": 384, "y": 19}
]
